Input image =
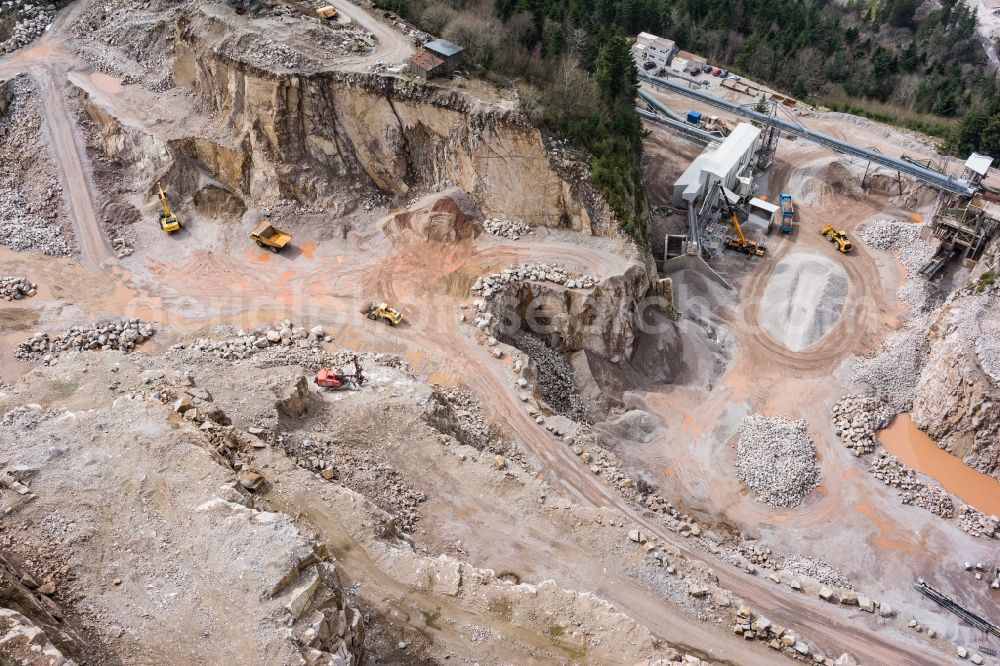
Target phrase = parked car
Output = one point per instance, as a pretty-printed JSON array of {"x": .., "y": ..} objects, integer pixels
[
  {"x": 716, "y": 71},
  {"x": 724, "y": 74},
  {"x": 694, "y": 72},
  {"x": 707, "y": 69},
  {"x": 648, "y": 65}
]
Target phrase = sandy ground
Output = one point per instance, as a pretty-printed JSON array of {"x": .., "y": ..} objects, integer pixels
[{"x": 850, "y": 521}]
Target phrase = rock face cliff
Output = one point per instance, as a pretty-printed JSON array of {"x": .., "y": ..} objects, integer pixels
[
  {"x": 602, "y": 321},
  {"x": 309, "y": 136},
  {"x": 957, "y": 402}
]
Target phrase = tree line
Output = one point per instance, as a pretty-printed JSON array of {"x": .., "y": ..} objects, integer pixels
[{"x": 901, "y": 61}]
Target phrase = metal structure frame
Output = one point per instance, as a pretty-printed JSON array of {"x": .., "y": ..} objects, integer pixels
[{"x": 941, "y": 181}]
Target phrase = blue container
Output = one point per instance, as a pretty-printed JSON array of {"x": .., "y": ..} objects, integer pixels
[{"x": 694, "y": 117}]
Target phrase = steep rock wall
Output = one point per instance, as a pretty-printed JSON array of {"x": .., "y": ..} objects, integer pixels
[
  {"x": 302, "y": 133},
  {"x": 957, "y": 402},
  {"x": 601, "y": 321}
]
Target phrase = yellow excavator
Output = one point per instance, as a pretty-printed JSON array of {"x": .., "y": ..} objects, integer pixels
[
  {"x": 168, "y": 221},
  {"x": 738, "y": 242}
]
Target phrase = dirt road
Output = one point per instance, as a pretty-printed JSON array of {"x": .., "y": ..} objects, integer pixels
[{"x": 393, "y": 47}]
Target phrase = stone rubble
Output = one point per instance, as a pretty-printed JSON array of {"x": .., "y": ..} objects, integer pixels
[
  {"x": 124, "y": 335},
  {"x": 248, "y": 343},
  {"x": 911, "y": 490},
  {"x": 554, "y": 375},
  {"x": 33, "y": 19},
  {"x": 776, "y": 459},
  {"x": 757, "y": 627},
  {"x": 857, "y": 419},
  {"x": 488, "y": 285},
  {"x": 32, "y": 210},
  {"x": 510, "y": 229},
  {"x": 978, "y": 524},
  {"x": 13, "y": 288}
]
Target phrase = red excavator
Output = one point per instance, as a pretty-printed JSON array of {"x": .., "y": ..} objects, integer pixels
[{"x": 335, "y": 379}]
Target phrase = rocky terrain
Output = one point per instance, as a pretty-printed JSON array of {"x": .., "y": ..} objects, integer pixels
[
  {"x": 29, "y": 20},
  {"x": 33, "y": 215}
]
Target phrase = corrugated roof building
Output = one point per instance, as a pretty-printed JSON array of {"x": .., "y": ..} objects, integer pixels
[
  {"x": 425, "y": 65},
  {"x": 450, "y": 53}
]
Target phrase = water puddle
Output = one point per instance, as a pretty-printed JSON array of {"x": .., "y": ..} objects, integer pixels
[{"x": 915, "y": 449}]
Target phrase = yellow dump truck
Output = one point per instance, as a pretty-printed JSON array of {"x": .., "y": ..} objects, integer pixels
[{"x": 267, "y": 235}]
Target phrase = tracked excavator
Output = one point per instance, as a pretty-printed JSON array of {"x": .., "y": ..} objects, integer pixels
[
  {"x": 738, "y": 242},
  {"x": 168, "y": 221}
]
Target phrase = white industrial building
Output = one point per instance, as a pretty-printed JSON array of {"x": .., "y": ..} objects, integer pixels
[
  {"x": 650, "y": 47},
  {"x": 723, "y": 162},
  {"x": 685, "y": 61}
]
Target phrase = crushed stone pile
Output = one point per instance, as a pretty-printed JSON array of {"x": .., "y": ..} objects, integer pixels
[
  {"x": 890, "y": 471},
  {"x": 818, "y": 570},
  {"x": 977, "y": 523},
  {"x": 488, "y": 285},
  {"x": 806, "y": 296},
  {"x": 903, "y": 239},
  {"x": 776, "y": 459},
  {"x": 13, "y": 288},
  {"x": 510, "y": 229},
  {"x": 31, "y": 203},
  {"x": 121, "y": 335},
  {"x": 555, "y": 375},
  {"x": 857, "y": 420},
  {"x": 248, "y": 343},
  {"x": 892, "y": 371},
  {"x": 32, "y": 20}
]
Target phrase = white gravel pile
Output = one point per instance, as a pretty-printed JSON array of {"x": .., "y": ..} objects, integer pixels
[
  {"x": 977, "y": 523},
  {"x": 857, "y": 419},
  {"x": 818, "y": 570},
  {"x": 33, "y": 19},
  {"x": 506, "y": 228},
  {"x": 13, "y": 288},
  {"x": 889, "y": 470},
  {"x": 123, "y": 335},
  {"x": 805, "y": 297},
  {"x": 903, "y": 239},
  {"x": 893, "y": 370},
  {"x": 776, "y": 459},
  {"x": 246, "y": 344},
  {"x": 487, "y": 285}
]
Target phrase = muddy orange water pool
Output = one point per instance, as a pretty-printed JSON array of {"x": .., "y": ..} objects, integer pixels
[{"x": 915, "y": 449}]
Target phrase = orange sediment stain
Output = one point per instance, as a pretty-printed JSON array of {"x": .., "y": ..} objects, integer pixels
[{"x": 308, "y": 249}]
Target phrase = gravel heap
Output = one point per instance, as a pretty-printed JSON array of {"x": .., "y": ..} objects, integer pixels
[
  {"x": 888, "y": 469},
  {"x": 777, "y": 460},
  {"x": 31, "y": 205},
  {"x": 487, "y": 285},
  {"x": 13, "y": 288},
  {"x": 246, "y": 344},
  {"x": 123, "y": 335},
  {"x": 33, "y": 18},
  {"x": 978, "y": 523},
  {"x": 903, "y": 238},
  {"x": 818, "y": 570},
  {"x": 506, "y": 228},
  {"x": 751, "y": 627},
  {"x": 857, "y": 419},
  {"x": 555, "y": 376}
]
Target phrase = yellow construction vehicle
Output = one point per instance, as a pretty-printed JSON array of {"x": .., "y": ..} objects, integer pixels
[
  {"x": 738, "y": 242},
  {"x": 389, "y": 316},
  {"x": 328, "y": 13},
  {"x": 267, "y": 235},
  {"x": 838, "y": 237},
  {"x": 168, "y": 221}
]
